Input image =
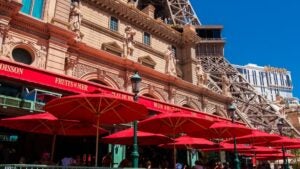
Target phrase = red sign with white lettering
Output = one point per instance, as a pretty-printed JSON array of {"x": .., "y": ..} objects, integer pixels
[{"x": 32, "y": 75}]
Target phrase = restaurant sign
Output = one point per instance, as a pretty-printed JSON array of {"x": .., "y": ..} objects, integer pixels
[{"x": 57, "y": 81}]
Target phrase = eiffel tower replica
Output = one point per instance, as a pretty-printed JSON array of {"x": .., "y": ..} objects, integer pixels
[{"x": 252, "y": 108}]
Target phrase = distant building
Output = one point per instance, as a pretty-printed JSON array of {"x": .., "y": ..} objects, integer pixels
[{"x": 268, "y": 81}]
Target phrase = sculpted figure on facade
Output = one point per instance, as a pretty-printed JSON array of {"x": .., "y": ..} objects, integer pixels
[
  {"x": 202, "y": 77},
  {"x": 69, "y": 65},
  {"x": 41, "y": 58},
  {"x": 3, "y": 35},
  {"x": 170, "y": 62},
  {"x": 129, "y": 37},
  {"x": 75, "y": 19},
  {"x": 225, "y": 85}
]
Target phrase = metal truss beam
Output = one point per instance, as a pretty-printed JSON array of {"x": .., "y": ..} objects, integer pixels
[{"x": 252, "y": 108}]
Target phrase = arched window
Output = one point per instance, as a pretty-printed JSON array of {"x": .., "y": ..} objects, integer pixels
[
  {"x": 21, "y": 55},
  {"x": 149, "y": 95},
  {"x": 98, "y": 82},
  {"x": 187, "y": 106}
]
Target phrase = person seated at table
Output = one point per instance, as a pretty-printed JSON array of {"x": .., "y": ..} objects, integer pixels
[
  {"x": 126, "y": 162},
  {"x": 45, "y": 159},
  {"x": 67, "y": 161},
  {"x": 106, "y": 160}
]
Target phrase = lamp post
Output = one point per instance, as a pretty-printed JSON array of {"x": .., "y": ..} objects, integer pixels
[
  {"x": 280, "y": 127},
  {"x": 231, "y": 109},
  {"x": 135, "y": 81}
]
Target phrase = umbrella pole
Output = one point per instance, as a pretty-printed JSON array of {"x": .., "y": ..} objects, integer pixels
[
  {"x": 53, "y": 146},
  {"x": 174, "y": 151},
  {"x": 174, "y": 155},
  {"x": 97, "y": 140}
]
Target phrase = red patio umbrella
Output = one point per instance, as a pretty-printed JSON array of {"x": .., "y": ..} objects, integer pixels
[
  {"x": 255, "y": 137},
  {"x": 223, "y": 129},
  {"x": 292, "y": 147},
  {"x": 46, "y": 123},
  {"x": 97, "y": 109},
  {"x": 283, "y": 141},
  {"x": 124, "y": 137},
  {"x": 260, "y": 150},
  {"x": 186, "y": 142},
  {"x": 227, "y": 147},
  {"x": 274, "y": 156},
  {"x": 174, "y": 123}
]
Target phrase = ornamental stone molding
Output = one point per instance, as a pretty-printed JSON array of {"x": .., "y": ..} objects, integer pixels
[
  {"x": 3, "y": 31},
  {"x": 163, "y": 93},
  {"x": 82, "y": 70},
  {"x": 147, "y": 61},
  {"x": 38, "y": 51},
  {"x": 118, "y": 81},
  {"x": 113, "y": 47}
]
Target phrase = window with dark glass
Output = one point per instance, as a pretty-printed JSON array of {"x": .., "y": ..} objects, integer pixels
[
  {"x": 147, "y": 38},
  {"x": 275, "y": 78},
  {"x": 254, "y": 77},
  {"x": 33, "y": 7},
  {"x": 288, "y": 81},
  {"x": 114, "y": 24},
  {"x": 22, "y": 56}
]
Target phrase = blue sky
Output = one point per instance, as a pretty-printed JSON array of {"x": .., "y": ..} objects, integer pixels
[{"x": 265, "y": 32}]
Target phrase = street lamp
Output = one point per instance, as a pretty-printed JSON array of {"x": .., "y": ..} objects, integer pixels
[
  {"x": 280, "y": 127},
  {"x": 135, "y": 81},
  {"x": 231, "y": 109}
]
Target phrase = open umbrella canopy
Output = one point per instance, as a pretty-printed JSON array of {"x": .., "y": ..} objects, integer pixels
[
  {"x": 273, "y": 156},
  {"x": 174, "y": 123},
  {"x": 186, "y": 142},
  {"x": 223, "y": 129},
  {"x": 283, "y": 141},
  {"x": 125, "y": 137},
  {"x": 46, "y": 123},
  {"x": 97, "y": 109},
  {"x": 292, "y": 147},
  {"x": 103, "y": 108},
  {"x": 227, "y": 147},
  {"x": 260, "y": 150},
  {"x": 255, "y": 137}
]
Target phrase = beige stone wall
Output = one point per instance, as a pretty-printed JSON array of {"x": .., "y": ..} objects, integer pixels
[{"x": 96, "y": 39}]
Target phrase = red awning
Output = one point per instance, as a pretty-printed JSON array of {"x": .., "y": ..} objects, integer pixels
[{"x": 25, "y": 73}]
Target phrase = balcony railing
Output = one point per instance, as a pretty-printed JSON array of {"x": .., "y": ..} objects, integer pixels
[
  {"x": 15, "y": 102},
  {"x": 32, "y": 166}
]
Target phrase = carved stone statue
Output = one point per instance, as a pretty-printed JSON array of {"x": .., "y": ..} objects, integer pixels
[
  {"x": 170, "y": 62},
  {"x": 201, "y": 75},
  {"x": 129, "y": 37},
  {"x": 225, "y": 85},
  {"x": 69, "y": 65},
  {"x": 75, "y": 19},
  {"x": 3, "y": 35},
  {"x": 41, "y": 62}
]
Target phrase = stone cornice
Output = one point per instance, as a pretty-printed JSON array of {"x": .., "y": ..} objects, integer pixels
[
  {"x": 10, "y": 8},
  {"x": 30, "y": 25},
  {"x": 41, "y": 29},
  {"x": 139, "y": 19}
]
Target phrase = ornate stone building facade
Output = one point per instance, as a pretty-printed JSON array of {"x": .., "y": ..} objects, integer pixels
[{"x": 105, "y": 42}]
